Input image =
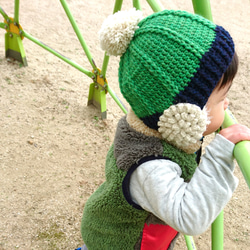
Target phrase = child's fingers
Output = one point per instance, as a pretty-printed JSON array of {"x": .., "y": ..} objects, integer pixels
[{"x": 236, "y": 133}]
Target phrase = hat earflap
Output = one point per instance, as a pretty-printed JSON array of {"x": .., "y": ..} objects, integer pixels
[
  {"x": 183, "y": 125},
  {"x": 118, "y": 30}
]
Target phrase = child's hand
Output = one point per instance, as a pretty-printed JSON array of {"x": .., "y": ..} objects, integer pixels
[{"x": 236, "y": 133}]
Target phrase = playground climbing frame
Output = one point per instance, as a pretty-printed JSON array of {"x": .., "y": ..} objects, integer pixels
[{"x": 99, "y": 87}]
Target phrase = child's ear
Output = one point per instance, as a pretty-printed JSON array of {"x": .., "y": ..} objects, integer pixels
[{"x": 183, "y": 124}]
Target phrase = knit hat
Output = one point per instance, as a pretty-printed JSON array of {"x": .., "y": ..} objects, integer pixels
[{"x": 172, "y": 58}]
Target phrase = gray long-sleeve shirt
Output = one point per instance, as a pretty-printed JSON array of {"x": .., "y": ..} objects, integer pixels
[{"x": 190, "y": 208}]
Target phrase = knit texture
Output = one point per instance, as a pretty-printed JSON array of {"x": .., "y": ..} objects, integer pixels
[
  {"x": 174, "y": 57},
  {"x": 109, "y": 222}
]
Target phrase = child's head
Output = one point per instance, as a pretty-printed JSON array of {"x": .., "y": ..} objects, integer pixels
[{"x": 170, "y": 64}]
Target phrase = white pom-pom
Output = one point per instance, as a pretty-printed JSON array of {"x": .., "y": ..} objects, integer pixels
[
  {"x": 187, "y": 124},
  {"x": 118, "y": 30}
]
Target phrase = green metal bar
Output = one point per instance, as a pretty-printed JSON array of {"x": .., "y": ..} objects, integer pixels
[
  {"x": 2, "y": 25},
  {"x": 217, "y": 232},
  {"x": 67, "y": 60},
  {"x": 78, "y": 33},
  {"x": 14, "y": 48},
  {"x": 155, "y": 5},
  {"x": 105, "y": 65},
  {"x": 16, "y": 14},
  {"x": 21, "y": 50},
  {"x": 241, "y": 149},
  {"x": 4, "y": 14},
  {"x": 203, "y": 8},
  {"x": 118, "y": 5},
  {"x": 103, "y": 104},
  {"x": 242, "y": 156},
  {"x": 137, "y": 4},
  {"x": 189, "y": 242},
  {"x": 116, "y": 99}
]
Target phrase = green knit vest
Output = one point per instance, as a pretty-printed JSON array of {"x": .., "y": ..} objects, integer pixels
[{"x": 108, "y": 221}]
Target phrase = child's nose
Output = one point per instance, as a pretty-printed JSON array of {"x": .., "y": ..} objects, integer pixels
[{"x": 226, "y": 103}]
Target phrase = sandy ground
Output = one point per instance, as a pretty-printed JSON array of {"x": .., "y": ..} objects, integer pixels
[{"x": 53, "y": 145}]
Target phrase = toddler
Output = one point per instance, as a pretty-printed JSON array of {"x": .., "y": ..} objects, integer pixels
[{"x": 175, "y": 71}]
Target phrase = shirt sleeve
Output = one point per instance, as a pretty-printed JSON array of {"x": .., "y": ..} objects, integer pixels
[{"x": 190, "y": 208}]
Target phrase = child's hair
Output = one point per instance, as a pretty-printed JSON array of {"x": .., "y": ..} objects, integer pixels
[{"x": 230, "y": 73}]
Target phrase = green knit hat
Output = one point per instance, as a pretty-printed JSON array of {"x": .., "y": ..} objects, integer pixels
[{"x": 173, "y": 57}]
